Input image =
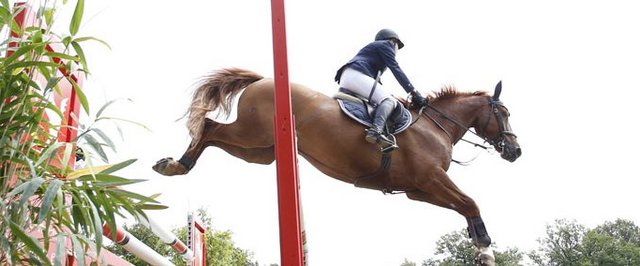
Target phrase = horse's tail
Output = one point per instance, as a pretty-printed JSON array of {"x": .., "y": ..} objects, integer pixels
[{"x": 214, "y": 91}]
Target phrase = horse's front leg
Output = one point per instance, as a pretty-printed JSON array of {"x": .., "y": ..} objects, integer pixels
[
  {"x": 439, "y": 190},
  {"x": 482, "y": 241},
  {"x": 168, "y": 166}
]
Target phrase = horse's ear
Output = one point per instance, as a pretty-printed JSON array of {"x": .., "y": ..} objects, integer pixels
[{"x": 496, "y": 93}]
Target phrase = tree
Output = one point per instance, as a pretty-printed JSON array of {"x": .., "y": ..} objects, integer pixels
[
  {"x": 569, "y": 243},
  {"x": 220, "y": 247},
  {"x": 562, "y": 244},
  {"x": 408, "y": 263},
  {"x": 40, "y": 194},
  {"x": 456, "y": 249}
]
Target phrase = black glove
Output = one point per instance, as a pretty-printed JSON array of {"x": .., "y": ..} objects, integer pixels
[{"x": 417, "y": 99}]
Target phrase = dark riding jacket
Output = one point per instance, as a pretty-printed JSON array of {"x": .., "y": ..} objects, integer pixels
[{"x": 377, "y": 56}]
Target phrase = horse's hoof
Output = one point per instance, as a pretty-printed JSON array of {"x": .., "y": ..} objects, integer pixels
[
  {"x": 485, "y": 257},
  {"x": 168, "y": 166}
]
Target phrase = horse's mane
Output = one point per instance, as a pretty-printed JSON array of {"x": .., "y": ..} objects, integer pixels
[{"x": 450, "y": 92}]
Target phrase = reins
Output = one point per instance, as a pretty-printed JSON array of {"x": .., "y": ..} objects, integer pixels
[
  {"x": 386, "y": 156},
  {"x": 467, "y": 129}
]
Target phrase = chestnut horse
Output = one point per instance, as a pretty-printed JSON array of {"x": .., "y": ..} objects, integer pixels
[{"x": 335, "y": 145}]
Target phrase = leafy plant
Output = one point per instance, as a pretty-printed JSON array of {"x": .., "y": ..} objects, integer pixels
[{"x": 44, "y": 201}]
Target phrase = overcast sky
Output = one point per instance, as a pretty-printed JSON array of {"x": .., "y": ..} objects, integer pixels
[{"x": 570, "y": 80}]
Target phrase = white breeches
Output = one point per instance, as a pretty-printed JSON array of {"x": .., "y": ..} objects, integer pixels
[{"x": 361, "y": 84}]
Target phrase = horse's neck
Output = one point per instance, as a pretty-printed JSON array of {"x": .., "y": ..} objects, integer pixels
[{"x": 461, "y": 115}]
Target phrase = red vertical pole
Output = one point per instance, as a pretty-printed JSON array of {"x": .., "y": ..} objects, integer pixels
[{"x": 284, "y": 134}]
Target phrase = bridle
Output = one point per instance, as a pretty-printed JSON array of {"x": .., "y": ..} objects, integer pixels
[{"x": 499, "y": 141}]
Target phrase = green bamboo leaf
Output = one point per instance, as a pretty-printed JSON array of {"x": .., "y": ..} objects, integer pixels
[
  {"x": 49, "y": 153},
  {"x": 23, "y": 49},
  {"x": 62, "y": 211},
  {"x": 13, "y": 24},
  {"x": 105, "y": 138},
  {"x": 125, "y": 203},
  {"x": 81, "y": 96},
  {"x": 118, "y": 166},
  {"x": 153, "y": 207},
  {"x": 77, "y": 17},
  {"x": 48, "y": 199},
  {"x": 45, "y": 233},
  {"x": 109, "y": 209},
  {"x": 66, "y": 157},
  {"x": 124, "y": 120},
  {"x": 80, "y": 220},
  {"x": 60, "y": 249},
  {"x": 109, "y": 103},
  {"x": 32, "y": 187},
  {"x": 97, "y": 147},
  {"x": 36, "y": 39},
  {"x": 61, "y": 56},
  {"x": 81, "y": 56},
  {"x": 48, "y": 15},
  {"x": 17, "y": 190},
  {"x": 91, "y": 194},
  {"x": 106, "y": 180},
  {"x": 4, "y": 243},
  {"x": 27, "y": 64},
  {"x": 82, "y": 39},
  {"x": 46, "y": 73},
  {"x": 96, "y": 220},
  {"x": 78, "y": 249},
  {"x": 155, "y": 196},
  {"x": 132, "y": 195},
  {"x": 66, "y": 41},
  {"x": 32, "y": 244},
  {"x": 5, "y": 16},
  {"x": 53, "y": 107}
]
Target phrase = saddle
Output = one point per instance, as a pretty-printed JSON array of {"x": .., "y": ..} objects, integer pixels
[{"x": 360, "y": 110}]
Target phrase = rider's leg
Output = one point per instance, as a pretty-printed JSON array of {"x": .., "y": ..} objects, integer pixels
[
  {"x": 362, "y": 84},
  {"x": 380, "y": 116}
]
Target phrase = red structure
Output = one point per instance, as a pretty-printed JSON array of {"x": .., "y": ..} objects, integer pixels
[{"x": 291, "y": 252}]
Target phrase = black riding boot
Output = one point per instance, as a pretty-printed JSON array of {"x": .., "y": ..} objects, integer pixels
[{"x": 380, "y": 116}]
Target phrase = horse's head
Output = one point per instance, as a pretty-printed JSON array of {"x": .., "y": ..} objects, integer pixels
[{"x": 496, "y": 130}]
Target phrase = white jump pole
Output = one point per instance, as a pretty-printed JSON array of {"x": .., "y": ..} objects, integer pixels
[
  {"x": 135, "y": 246},
  {"x": 168, "y": 238}
]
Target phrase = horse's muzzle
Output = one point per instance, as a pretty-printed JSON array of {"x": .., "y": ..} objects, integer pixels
[{"x": 511, "y": 152}]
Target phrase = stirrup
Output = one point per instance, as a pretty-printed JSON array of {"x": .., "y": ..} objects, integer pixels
[
  {"x": 391, "y": 146},
  {"x": 386, "y": 144}
]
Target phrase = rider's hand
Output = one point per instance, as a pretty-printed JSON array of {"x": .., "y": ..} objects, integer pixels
[{"x": 418, "y": 99}]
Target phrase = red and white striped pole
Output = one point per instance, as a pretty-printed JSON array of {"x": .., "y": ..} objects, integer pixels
[
  {"x": 135, "y": 246},
  {"x": 168, "y": 238}
]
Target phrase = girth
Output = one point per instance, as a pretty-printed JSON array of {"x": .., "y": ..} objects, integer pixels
[{"x": 358, "y": 108}]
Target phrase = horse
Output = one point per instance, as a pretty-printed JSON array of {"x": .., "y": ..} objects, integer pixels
[{"x": 334, "y": 143}]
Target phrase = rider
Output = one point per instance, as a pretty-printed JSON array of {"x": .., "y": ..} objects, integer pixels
[{"x": 363, "y": 71}]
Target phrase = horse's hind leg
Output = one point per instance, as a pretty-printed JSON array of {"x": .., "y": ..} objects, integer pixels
[
  {"x": 441, "y": 191},
  {"x": 168, "y": 166},
  {"x": 215, "y": 135}
]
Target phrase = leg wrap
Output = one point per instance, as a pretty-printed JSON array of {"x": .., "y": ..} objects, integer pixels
[
  {"x": 478, "y": 232},
  {"x": 187, "y": 162}
]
